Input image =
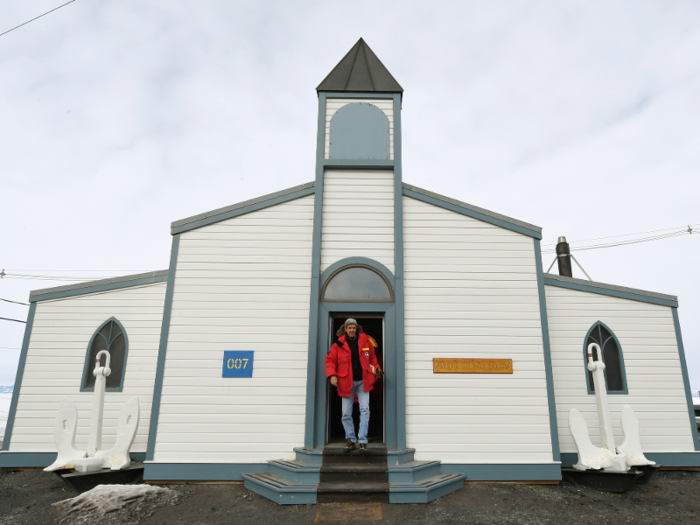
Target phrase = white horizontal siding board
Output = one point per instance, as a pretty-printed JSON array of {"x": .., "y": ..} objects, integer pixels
[
  {"x": 56, "y": 358},
  {"x": 358, "y": 216},
  {"x": 240, "y": 284},
  {"x": 334, "y": 104},
  {"x": 652, "y": 363},
  {"x": 471, "y": 291}
]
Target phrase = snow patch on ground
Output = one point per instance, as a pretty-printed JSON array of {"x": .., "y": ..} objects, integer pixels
[{"x": 112, "y": 504}]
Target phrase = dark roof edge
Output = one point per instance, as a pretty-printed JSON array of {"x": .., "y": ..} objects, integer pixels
[
  {"x": 211, "y": 216},
  {"x": 555, "y": 280},
  {"x": 101, "y": 285},
  {"x": 473, "y": 208}
]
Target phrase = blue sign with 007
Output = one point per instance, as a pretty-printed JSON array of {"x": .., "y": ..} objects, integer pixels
[{"x": 238, "y": 363}]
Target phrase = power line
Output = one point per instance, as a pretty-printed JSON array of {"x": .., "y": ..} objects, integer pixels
[
  {"x": 684, "y": 228},
  {"x": 37, "y": 17},
  {"x": 8, "y": 319},
  {"x": 623, "y": 242},
  {"x": 13, "y": 302}
]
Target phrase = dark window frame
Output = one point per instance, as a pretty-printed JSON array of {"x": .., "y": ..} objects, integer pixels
[
  {"x": 357, "y": 265},
  {"x": 589, "y": 384},
  {"x": 90, "y": 365}
]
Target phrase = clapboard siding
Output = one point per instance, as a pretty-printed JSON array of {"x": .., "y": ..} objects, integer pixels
[
  {"x": 56, "y": 357},
  {"x": 334, "y": 104},
  {"x": 240, "y": 284},
  {"x": 471, "y": 291},
  {"x": 654, "y": 378},
  {"x": 358, "y": 216}
]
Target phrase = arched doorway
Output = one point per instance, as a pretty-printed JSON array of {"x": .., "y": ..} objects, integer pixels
[{"x": 363, "y": 289}]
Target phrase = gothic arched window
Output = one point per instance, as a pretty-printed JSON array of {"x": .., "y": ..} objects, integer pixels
[
  {"x": 615, "y": 377},
  {"x": 110, "y": 336}
]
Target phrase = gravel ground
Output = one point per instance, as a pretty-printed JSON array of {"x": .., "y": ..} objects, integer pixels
[{"x": 672, "y": 497}]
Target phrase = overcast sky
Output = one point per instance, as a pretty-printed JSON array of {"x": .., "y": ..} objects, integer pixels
[{"x": 118, "y": 117}]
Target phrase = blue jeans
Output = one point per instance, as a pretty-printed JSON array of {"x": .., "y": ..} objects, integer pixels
[{"x": 363, "y": 398}]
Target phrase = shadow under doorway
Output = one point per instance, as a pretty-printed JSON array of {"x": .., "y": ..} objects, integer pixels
[{"x": 373, "y": 326}]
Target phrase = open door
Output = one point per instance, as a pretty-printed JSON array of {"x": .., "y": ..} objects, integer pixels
[{"x": 373, "y": 326}]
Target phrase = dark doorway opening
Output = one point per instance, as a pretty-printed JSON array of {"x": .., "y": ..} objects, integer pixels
[{"x": 372, "y": 325}]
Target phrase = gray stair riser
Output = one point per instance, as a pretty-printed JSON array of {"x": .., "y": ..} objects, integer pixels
[
  {"x": 354, "y": 477},
  {"x": 414, "y": 474},
  {"x": 294, "y": 475},
  {"x": 283, "y": 498}
]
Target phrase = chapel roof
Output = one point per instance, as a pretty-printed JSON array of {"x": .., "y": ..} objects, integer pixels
[{"x": 360, "y": 71}]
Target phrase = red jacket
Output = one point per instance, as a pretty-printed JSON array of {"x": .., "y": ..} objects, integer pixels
[{"x": 339, "y": 363}]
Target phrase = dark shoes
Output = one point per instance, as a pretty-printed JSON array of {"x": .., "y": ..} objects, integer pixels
[
  {"x": 350, "y": 446},
  {"x": 363, "y": 446}
]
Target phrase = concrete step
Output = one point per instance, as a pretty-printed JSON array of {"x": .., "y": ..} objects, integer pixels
[
  {"x": 426, "y": 489},
  {"x": 280, "y": 490}
]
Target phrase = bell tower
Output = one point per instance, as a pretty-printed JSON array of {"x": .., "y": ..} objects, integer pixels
[{"x": 358, "y": 221}]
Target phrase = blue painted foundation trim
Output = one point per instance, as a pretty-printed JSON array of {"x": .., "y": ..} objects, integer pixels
[
  {"x": 41, "y": 459},
  {"x": 505, "y": 472},
  {"x": 686, "y": 379},
  {"x": 665, "y": 459},
  {"x": 472, "y": 211},
  {"x": 242, "y": 208},
  {"x": 162, "y": 349},
  {"x": 554, "y": 430},
  {"x": 359, "y": 164},
  {"x": 18, "y": 378},
  {"x": 103, "y": 285},
  {"x": 201, "y": 471},
  {"x": 611, "y": 290}
]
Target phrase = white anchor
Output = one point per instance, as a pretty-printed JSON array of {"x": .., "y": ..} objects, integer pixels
[
  {"x": 607, "y": 457},
  {"x": 117, "y": 457}
]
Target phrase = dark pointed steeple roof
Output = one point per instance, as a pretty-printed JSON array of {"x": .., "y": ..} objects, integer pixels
[{"x": 360, "y": 71}]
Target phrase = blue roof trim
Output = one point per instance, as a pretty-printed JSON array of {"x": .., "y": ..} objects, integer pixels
[
  {"x": 18, "y": 381},
  {"x": 611, "y": 290},
  {"x": 103, "y": 285},
  {"x": 228, "y": 212},
  {"x": 472, "y": 211}
]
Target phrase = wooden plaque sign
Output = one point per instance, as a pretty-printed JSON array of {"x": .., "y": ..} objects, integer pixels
[{"x": 472, "y": 366}]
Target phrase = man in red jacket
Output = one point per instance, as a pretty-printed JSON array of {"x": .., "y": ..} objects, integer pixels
[{"x": 352, "y": 367}]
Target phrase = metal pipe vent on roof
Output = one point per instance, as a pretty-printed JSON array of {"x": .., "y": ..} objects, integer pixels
[{"x": 564, "y": 257}]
